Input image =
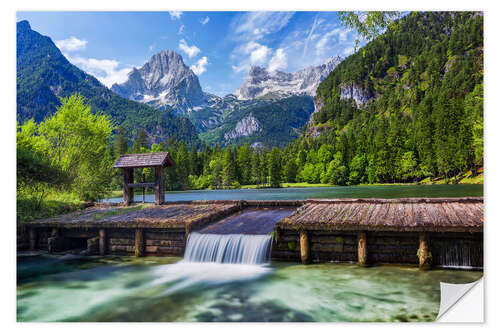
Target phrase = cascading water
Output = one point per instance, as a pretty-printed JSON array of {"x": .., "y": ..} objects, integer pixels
[
  {"x": 231, "y": 249},
  {"x": 459, "y": 255}
]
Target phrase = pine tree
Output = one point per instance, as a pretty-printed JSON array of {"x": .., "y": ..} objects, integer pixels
[
  {"x": 141, "y": 142},
  {"x": 229, "y": 171},
  {"x": 120, "y": 144},
  {"x": 275, "y": 167}
]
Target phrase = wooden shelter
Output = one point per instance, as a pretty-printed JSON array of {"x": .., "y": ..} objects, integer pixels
[{"x": 158, "y": 161}]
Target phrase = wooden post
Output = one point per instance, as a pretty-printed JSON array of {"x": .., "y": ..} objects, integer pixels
[
  {"x": 159, "y": 185},
  {"x": 102, "y": 242},
  {"x": 139, "y": 243},
  {"x": 304, "y": 247},
  {"x": 54, "y": 232},
  {"x": 128, "y": 192},
  {"x": 33, "y": 236},
  {"x": 362, "y": 253},
  {"x": 424, "y": 259}
]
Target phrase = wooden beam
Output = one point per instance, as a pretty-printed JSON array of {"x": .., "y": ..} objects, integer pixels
[
  {"x": 424, "y": 258},
  {"x": 141, "y": 185},
  {"x": 102, "y": 242},
  {"x": 33, "y": 237},
  {"x": 159, "y": 185},
  {"x": 304, "y": 248},
  {"x": 139, "y": 243},
  {"x": 362, "y": 252},
  {"x": 128, "y": 192}
]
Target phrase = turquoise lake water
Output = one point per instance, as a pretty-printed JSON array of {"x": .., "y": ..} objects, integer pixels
[{"x": 363, "y": 191}]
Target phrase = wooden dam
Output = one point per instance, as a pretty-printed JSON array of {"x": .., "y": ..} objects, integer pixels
[
  {"x": 413, "y": 231},
  {"x": 443, "y": 232}
]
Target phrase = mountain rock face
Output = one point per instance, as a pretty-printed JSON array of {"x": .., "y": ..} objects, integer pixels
[
  {"x": 354, "y": 92},
  {"x": 269, "y": 123},
  {"x": 44, "y": 75},
  {"x": 261, "y": 82},
  {"x": 245, "y": 127},
  {"x": 164, "y": 80}
]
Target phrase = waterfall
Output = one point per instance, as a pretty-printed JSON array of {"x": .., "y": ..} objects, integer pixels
[
  {"x": 459, "y": 255},
  {"x": 232, "y": 248}
]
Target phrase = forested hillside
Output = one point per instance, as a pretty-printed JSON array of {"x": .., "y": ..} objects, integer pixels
[
  {"x": 406, "y": 106},
  {"x": 44, "y": 75}
]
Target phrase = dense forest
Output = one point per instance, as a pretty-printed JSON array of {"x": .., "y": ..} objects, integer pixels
[{"x": 423, "y": 79}]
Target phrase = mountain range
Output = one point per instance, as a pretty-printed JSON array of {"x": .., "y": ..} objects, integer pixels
[
  {"x": 165, "y": 97},
  {"x": 165, "y": 81},
  {"x": 44, "y": 75}
]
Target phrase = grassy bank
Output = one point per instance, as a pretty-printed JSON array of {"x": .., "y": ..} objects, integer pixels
[{"x": 29, "y": 208}]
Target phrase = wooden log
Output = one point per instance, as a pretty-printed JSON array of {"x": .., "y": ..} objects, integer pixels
[
  {"x": 93, "y": 245},
  {"x": 164, "y": 235},
  {"x": 164, "y": 242},
  {"x": 33, "y": 235},
  {"x": 424, "y": 258},
  {"x": 140, "y": 185},
  {"x": 102, "y": 242},
  {"x": 52, "y": 244},
  {"x": 122, "y": 241},
  {"x": 128, "y": 192},
  {"x": 159, "y": 185},
  {"x": 139, "y": 243},
  {"x": 122, "y": 248},
  {"x": 362, "y": 253},
  {"x": 304, "y": 248}
]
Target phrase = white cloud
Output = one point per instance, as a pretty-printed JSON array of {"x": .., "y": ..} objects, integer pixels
[
  {"x": 250, "y": 54},
  {"x": 175, "y": 14},
  {"x": 255, "y": 25},
  {"x": 312, "y": 44},
  {"x": 105, "y": 70},
  {"x": 151, "y": 47},
  {"x": 181, "y": 30},
  {"x": 259, "y": 55},
  {"x": 71, "y": 44},
  {"x": 279, "y": 61},
  {"x": 191, "y": 51},
  {"x": 200, "y": 67},
  {"x": 205, "y": 20}
]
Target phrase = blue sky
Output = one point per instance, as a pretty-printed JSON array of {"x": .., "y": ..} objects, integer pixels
[{"x": 220, "y": 47}]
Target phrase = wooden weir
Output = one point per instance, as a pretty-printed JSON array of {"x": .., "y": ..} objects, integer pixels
[{"x": 414, "y": 231}]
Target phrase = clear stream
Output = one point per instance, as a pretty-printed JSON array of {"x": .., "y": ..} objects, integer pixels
[
  {"x": 72, "y": 288},
  {"x": 77, "y": 288}
]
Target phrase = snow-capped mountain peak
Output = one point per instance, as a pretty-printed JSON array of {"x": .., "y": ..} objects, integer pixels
[{"x": 261, "y": 82}]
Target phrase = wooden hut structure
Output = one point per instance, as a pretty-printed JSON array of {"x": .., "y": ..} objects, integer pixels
[{"x": 158, "y": 161}]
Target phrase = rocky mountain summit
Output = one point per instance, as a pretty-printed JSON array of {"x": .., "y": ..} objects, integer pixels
[
  {"x": 261, "y": 82},
  {"x": 164, "y": 80}
]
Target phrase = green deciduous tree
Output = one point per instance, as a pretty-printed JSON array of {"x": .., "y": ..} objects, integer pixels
[{"x": 77, "y": 141}]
